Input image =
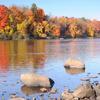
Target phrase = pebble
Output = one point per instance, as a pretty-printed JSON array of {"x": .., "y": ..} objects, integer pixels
[
  {"x": 53, "y": 91},
  {"x": 43, "y": 89}
]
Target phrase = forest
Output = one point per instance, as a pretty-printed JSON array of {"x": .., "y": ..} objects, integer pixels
[{"x": 33, "y": 23}]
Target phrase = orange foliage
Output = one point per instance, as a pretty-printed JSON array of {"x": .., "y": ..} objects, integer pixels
[
  {"x": 17, "y": 13},
  {"x": 56, "y": 31},
  {"x": 28, "y": 12}
]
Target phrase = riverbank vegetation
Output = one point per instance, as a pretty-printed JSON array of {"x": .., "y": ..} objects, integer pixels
[{"x": 33, "y": 23}]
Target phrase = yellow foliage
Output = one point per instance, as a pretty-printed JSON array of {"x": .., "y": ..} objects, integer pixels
[{"x": 90, "y": 31}]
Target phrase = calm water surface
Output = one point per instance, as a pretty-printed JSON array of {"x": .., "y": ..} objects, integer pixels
[{"x": 45, "y": 57}]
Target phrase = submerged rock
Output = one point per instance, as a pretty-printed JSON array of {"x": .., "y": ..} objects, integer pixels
[
  {"x": 35, "y": 80},
  {"x": 17, "y": 98},
  {"x": 93, "y": 76},
  {"x": 73, "y": 63},
  {"x": 85, "y": 79}
]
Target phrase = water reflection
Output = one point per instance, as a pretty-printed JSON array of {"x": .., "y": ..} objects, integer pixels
[
  {"x": 4, "y": 58},
  {"x": 73, "y": 71},
  {"x": 32, "y": 90},
  {"x": 18, "y": 54},
  {"x": 83, "y": 49}
]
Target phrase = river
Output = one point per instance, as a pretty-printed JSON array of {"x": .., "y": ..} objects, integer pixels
[{"x": 45, "y": 57}]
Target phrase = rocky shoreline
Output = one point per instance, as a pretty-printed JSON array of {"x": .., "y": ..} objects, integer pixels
[{"x": 87, "y": 90}]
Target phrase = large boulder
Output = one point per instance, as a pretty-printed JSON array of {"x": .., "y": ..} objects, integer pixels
[
  {"x": 84, "y": 91},
  {"x": 73, "y": 63},
  {"x": 35, "y": 80}
]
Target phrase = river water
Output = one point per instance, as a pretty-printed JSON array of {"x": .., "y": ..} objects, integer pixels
[{"x": 45, "y": 57}]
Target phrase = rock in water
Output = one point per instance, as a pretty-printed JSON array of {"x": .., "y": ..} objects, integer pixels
[
  {"x": 73, "y": 63},
  {"x": 35, "y": 80}
]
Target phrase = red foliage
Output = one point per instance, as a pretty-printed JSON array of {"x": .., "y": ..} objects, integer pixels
[{"x": 4, "y": 13}]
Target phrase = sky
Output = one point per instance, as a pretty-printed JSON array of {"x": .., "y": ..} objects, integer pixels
[{"x": 70, "y": 8}]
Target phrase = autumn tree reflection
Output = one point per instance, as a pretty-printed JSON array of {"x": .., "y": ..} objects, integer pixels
[
  {"x": 37, "y": 54},
  {"x": 4, "y": 57}
]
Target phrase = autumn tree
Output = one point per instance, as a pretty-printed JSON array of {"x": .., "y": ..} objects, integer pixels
[
  {"x": 90, "y": 30},
  {"x": 41, "y": 15},
  {"x": 17, "y": 13},
  {"x": 34, "y": 11}
]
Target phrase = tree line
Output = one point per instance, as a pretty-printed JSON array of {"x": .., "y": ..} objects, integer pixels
[{"x": 32, "y": 23}]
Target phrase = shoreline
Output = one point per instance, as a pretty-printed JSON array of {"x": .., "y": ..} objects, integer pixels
[{"x": 86, "y": 90}]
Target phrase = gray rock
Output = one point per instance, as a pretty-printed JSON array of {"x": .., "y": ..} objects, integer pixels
[
  {"x": 84, "y": 91},
  {"x": 98, "y": 98},
  {"x": 97, "y": 89},
  {"x": 73, "y": 63},
  {"x": 35, "y": 80},
  {"x": 93, "y": 97}
]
